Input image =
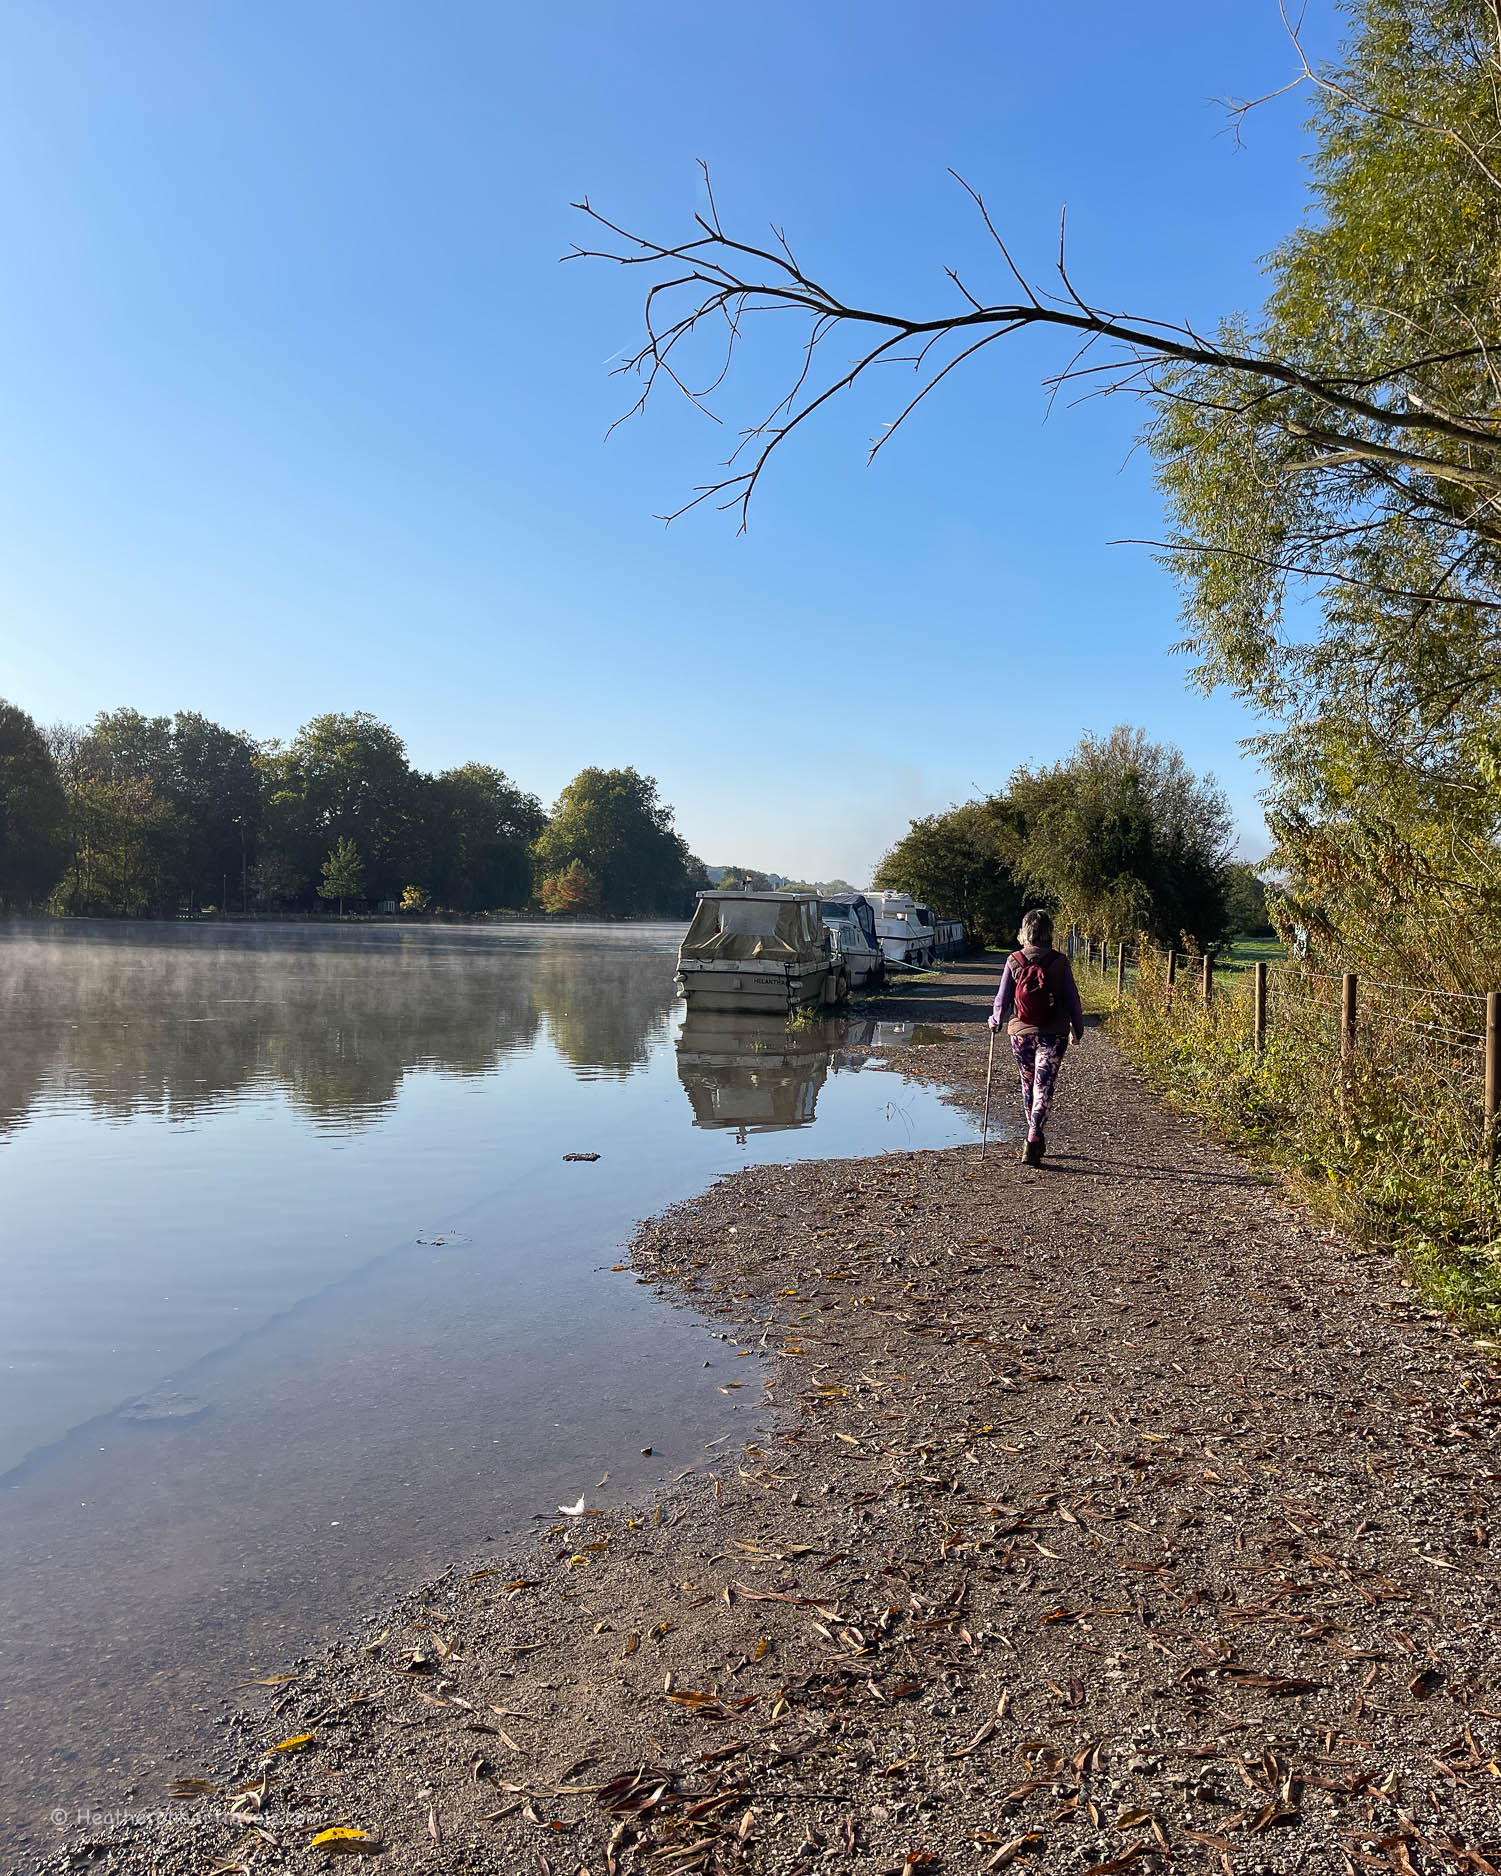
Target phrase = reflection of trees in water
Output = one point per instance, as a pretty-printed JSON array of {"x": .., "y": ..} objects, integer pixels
[
  {"x": 604, "y": 1007},
  {"x": 179, "y": 1020}
]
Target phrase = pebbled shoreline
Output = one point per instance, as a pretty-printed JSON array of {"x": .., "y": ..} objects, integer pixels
[{"x": 1106, "y": 1513}]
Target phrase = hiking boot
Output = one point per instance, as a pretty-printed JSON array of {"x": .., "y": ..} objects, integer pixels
[
  {"x": 1042, "y": 1144},
  {"x": 1032, "y": 1153}
]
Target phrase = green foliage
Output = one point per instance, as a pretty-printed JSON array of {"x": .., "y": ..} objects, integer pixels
[
  {"x": 33, "y": 810},
  {"x": 612, "y": 824},
  {"x": 126, "y": 850},
  {"x": 1246, "y": 914},
  {"x": 343, "y": 873},
  {"x": 1121, "y": 837},
  {"x": 343, "y": 777},
  {"x": 1388, "y": 1145},
  {"x": 471, "y": 837},
  {"x": 204, "y": 774},
  {"x": 415, "y": 899},
  {"x": 958, "y": 863},
  {"x": 1386, "y": 689},
  {"x": 743, "y": 879},
  {"x": 170, "y": 814}
]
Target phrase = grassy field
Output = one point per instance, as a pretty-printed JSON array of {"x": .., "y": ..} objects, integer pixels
[{"x": 1246, "y": 952}]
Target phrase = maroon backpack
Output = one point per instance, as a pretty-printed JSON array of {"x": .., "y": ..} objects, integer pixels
[{"x": 1038, "y": 988}]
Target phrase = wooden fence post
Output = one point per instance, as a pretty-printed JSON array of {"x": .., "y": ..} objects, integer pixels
[
  {"x": 1492, "y": 1073},
  {"x": 1172, "y": 970},
  {"x": 1348, "y": 1004},
  {"x": 1208, "y": 979},
  {"x": 1258, "y": 1025},
  {"x": 1120, "y": 972}
]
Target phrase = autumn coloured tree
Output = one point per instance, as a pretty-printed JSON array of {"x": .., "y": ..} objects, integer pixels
[{"x": 573, "y": 893}]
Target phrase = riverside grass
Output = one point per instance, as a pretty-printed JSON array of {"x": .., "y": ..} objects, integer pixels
[{"x": 1387, "y": 1145}]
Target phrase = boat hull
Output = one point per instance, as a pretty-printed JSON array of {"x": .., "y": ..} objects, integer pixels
[{"x": 768, "y": 989}]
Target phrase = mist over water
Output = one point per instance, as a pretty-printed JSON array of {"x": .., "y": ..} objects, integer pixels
[{"x": 301, "y": 1298}]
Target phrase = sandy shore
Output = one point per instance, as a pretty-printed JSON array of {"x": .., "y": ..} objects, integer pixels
[{"x": 1111, "y": 1514}]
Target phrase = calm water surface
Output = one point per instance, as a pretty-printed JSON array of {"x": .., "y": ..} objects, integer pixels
[{"x": 299, "y": 1298}]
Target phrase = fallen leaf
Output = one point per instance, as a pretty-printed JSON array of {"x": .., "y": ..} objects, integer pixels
[{"x": 342, "y": 1841}]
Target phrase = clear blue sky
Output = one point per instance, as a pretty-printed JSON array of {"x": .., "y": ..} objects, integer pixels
[{"x": 301, "y": 413}]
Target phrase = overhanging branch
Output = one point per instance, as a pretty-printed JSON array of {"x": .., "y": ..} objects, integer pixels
[{"x": 715, "y": 282}]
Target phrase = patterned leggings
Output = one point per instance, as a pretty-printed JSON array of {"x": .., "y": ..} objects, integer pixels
[{"x": 1038, "y": 1059}]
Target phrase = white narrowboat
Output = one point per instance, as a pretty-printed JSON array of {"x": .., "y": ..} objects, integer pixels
[
  {"x": 759, "y": 951},
  {"x": 951, "y": 941},
  {"x": 904, "y": 928}
]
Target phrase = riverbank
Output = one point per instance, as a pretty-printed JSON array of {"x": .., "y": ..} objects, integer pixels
[{"x": 1101, "y": 1512}]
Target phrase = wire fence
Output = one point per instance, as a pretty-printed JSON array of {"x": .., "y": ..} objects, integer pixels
[{"x": 1382, "y": 1048}]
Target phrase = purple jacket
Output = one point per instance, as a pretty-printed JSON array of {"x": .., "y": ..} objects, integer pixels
[{"x": 1005, "y": 997}]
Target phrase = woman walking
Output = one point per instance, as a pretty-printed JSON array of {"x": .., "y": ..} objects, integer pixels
[{"x": 1038, "y": 1003}]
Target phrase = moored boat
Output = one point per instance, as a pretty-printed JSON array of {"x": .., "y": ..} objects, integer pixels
[
  {"x": 851, "y": 921},
  {"x": 905, "y": 929},
  {"x": 759, "y": 951}
]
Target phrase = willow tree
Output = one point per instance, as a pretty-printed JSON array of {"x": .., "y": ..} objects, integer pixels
[
  {"x": 1331, "y": 464},
  {"x": 1346, "y": 576}
]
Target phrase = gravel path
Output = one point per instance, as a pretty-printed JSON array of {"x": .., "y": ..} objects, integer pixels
[{"x": 1107, "y": 1516}]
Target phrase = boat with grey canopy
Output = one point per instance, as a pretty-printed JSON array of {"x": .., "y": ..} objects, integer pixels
[{"x": 759, "y": 951}]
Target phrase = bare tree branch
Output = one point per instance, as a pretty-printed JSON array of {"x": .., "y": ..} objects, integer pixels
[{"x": 716, "y": 279}]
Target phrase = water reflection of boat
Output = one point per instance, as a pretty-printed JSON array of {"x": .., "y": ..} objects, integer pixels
[{"x": 758, "y": 1074}]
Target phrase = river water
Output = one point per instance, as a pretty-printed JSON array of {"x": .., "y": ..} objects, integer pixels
[{"x": 300, "y": 1299}]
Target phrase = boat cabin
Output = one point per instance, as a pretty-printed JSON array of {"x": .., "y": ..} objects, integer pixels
[{"x": 764, "y": 951}]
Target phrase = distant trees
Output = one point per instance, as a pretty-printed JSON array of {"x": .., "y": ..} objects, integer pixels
[
  {"x": 1247, "y": 911},
  {"x": 204, "y": 788},
  {"x": 743, "y": 879},
  {"x": 479, "y": 828},
  {"x": 612, "y": 824},
  {"x": 136, "y": 815},
  {"x": 126, "y": 848},
  {"x": 1122, "y": 837},
  {"x": 344, "y": 776},
  {"x": 1119, "y": 838},
  {"x": 956, "y": 862},
  {"x": 33, "y": 813},
  {"x": 160, "y": 812}
]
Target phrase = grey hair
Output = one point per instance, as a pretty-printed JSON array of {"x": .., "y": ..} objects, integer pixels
[{"x": 1037, "y": 927}]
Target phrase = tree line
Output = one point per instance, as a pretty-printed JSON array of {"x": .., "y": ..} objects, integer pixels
[
  {"x": 154, "y": 816},
  {"x": 1120, "y": 838}
]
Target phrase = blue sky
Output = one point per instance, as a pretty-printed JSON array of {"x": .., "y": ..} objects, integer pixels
[{"x": 302, "y": 413}]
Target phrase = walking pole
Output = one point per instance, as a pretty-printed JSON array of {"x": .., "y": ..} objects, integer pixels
[{"x": 989, "y": 1065}]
